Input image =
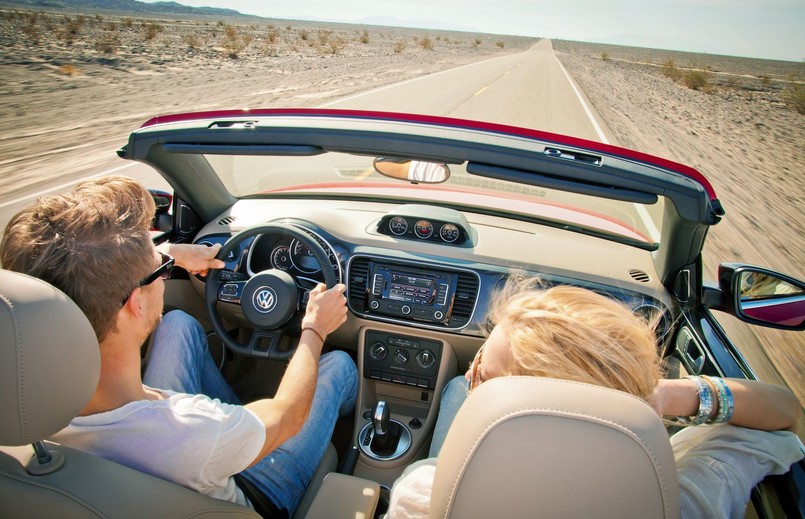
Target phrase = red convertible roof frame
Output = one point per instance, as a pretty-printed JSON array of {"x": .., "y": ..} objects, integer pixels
[{"x": 555, "y": 138}]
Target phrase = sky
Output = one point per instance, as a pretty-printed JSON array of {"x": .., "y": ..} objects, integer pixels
[{"x": 770, "y": 29}]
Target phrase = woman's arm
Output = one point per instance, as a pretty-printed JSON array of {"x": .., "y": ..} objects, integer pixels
[{"x": 758, "y": 405}]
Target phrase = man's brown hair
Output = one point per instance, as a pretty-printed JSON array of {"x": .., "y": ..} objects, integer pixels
[{"x": 92, "y": 243}]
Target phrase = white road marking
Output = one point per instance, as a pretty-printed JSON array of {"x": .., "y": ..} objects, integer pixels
[{"x": 652, "y": 230}]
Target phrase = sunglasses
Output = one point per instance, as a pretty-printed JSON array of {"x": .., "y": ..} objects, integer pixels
[{"x": 163, "y": 271}]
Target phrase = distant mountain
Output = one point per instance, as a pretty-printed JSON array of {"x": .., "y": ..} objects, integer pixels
[
  {"x": 416, "y": 24},
  {"x": 120, "y": 5}
]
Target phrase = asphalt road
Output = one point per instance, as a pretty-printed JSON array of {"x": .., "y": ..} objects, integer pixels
[{"x": 528, "y": 89}]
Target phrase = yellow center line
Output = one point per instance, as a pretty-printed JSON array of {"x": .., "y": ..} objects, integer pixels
[{"x": 481, "y": 90}]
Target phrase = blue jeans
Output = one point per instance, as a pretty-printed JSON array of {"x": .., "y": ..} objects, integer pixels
[
  {"x": 180, "y": 362},
  {"x": 453, "y": 395}
]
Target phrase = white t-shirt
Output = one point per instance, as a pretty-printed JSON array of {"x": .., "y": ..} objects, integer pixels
[
  {"x": 717, "y": 467},
  {"x": 192, "y": 440},
  {"x": 425, "y": 171}
]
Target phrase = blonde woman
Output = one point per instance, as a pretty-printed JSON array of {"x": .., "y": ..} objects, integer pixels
[{"x": 575, "y": 334}]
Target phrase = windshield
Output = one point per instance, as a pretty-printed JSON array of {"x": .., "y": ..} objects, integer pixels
[{"x": 340, "y": 174}]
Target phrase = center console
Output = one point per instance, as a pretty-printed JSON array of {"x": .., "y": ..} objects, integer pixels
[{"x": 401, "y": 359}]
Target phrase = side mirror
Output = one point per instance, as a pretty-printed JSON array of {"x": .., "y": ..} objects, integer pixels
[
  {"x": 162, "y": 218},
  {"x": 764, "y": 297},
  {"x": 416, "y": 171}
]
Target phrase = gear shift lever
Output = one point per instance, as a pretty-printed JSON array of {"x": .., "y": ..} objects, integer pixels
[
  {"x": 386, "y": 433},
  {"x": 380, "y": 418}
]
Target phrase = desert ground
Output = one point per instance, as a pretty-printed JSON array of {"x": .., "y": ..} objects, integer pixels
[{"x": 73, "y": 85}]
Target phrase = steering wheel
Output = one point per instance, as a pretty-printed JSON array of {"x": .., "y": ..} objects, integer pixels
[{"x": 269, "y": 299}]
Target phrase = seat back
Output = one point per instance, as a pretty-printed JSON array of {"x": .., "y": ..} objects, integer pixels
[
  {"x": 49, "y": 367},
  {"x": 537, "y": 447}
]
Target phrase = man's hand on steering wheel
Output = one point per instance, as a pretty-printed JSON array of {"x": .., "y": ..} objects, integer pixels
[{"x": 326, "y": 309}]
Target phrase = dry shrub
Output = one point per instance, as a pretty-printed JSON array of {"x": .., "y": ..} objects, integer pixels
[
  {"x": 670, "y": 70},
  {"x": 332, "y": 46},
  {"x": 192, "y": 40},
  {"x": 30, "y": 28},
  {"x": 69, "y": 70},
  {"x": 604, "y": 56},
  {"x": 364, "y": 38},
  {"x": 696, "y": 78},
  {"x": 108, "y": 43},
  {"x": 272, "y": 35},
  {"x": 234, "y": 41},
  {"x": 71, "y": 28},
  {"x": 151, "y": 30},
  {"x": 500, "y": 44},
  {"x": 399, "y": 47},
  {"x": 794, "y": 95},
  {"x": 426, "y": 43}
]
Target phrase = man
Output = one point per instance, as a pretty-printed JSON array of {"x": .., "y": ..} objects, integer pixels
[{"x": 180, "y": 421}]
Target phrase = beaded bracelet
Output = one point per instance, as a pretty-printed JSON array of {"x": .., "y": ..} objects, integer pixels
[
  {"x": 705, "y": 400},
  {"x": 726, "y": 404}
]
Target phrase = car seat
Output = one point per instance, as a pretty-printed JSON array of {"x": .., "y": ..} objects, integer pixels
[{"x": 523, "y": 447}]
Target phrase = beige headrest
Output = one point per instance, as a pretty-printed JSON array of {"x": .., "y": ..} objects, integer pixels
[
  {"x": 49, "y": 359},
  {"x": 537, "y": 447}
]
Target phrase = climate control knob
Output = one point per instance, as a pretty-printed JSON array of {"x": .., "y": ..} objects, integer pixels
[
  {"x": 425, "y": 358},
  {"x": 402, "y": 356},
  {"x": 378, "y": 351}
]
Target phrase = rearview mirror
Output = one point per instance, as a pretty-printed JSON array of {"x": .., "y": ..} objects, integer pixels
[
  {"x": 416, "y": 171},
  {"x": 764, "y": 297}
]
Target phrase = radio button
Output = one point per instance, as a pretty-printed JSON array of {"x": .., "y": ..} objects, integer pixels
[
  {"x": 406, "y": 309},
  {"x": 438, "y": 315},
  {"x": 374, "y": 305},
  {"x": 377, "y": 285}
]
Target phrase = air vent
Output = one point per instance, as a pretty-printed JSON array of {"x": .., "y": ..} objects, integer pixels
[
  {"x": 358, "y": 284},
  {"x": 464, "y": 302},
  {"x": 639, "y": 275},
  {"x": 226, "y": 220}
]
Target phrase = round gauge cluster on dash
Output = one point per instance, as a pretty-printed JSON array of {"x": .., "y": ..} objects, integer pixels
[
  {"x": 398, "y": 225},
  {"x": 449, "y": 232},
  {"x": 408, "y": 227},
  {"x": 423, "y": 229}
]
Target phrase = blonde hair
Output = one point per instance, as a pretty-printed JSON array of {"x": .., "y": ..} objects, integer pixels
[
  {"x": 92, "y": 243},
  {"x": 572, "y": 333}
]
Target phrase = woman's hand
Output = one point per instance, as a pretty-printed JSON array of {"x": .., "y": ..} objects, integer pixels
[{"x": 758, "y": 405}]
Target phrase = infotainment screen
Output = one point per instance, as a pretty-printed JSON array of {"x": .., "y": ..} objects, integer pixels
[
  {"x": 411, "y": 289},
  {"x": 422, "y": 295}
]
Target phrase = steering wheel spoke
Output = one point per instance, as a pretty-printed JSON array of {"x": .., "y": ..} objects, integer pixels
[
  {"x": 269, "y": 344},
  {"x": 231, "y": 291}
]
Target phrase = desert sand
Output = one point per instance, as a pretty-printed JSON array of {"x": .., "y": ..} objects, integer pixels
[{"x": 73, "y": 85}]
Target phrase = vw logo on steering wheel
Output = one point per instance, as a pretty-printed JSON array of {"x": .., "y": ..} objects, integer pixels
[{"x": 264, "y": 299}]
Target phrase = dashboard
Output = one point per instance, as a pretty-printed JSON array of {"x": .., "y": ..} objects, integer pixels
[{"x": 430, "y": 284}]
